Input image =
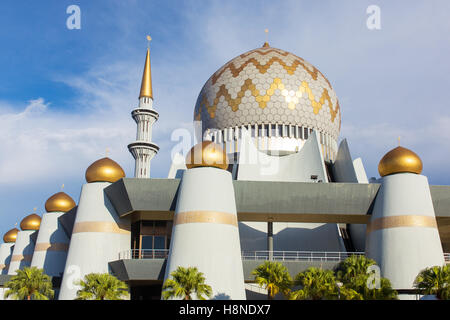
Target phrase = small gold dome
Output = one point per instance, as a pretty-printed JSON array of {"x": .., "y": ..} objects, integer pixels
[
  {"x": 104, "y": 170},
  {"x": 31, "y": 222},
  {"x": 400, "y": 160},
  {"x": 59, "y": 202},
  {"x": 207, "y": 154},
  {"x": 10, "y": 236}
]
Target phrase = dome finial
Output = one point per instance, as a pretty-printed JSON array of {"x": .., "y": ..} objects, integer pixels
[
  {"x": 146, "y": 84},
  {"x": 266, "y": 44}
]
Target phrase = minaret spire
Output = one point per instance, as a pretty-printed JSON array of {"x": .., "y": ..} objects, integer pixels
[
  {"x": 146, "y": 84},
  {"x": 143, "y": 150}
]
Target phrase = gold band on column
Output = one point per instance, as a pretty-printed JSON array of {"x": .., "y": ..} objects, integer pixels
[
  {"x": 20, "y": 257},
  {"x": 205, "y": 217},
  {"x": 401, "y": 221},
  {"x": 43, "y": 246},
  {"x": 100, "y": 226}
]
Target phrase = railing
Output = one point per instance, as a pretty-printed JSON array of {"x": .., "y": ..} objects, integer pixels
[
  {"x": 297, "y": 255},
  {"x": 144, "y": 254},
  {"x": 257, "y": 255}
]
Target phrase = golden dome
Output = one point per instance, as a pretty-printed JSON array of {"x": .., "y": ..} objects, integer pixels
[
  {"x": 11, "y": 235},
  {"x": 31, "y": 222},
  {"x": 212, "y": 155},
  {"x": 104, "y": 170},
  {"x": 59, "y": 202},
  {"x": 400, "y": 160}
]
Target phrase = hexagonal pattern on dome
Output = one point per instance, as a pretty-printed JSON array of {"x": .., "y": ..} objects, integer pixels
[{"x": 268, "y": 85}]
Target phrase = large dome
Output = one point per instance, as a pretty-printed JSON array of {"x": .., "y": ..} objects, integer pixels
[{"x": 269, "y": 86}]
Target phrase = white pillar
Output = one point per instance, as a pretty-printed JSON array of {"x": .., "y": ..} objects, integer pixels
[
  {"x": 23, "y": 251},
  {"x": 5, "y": 256},
  {"x": 98, "y": 237},
  {"x": 52, "y": 243},
  {"x": 402, "y": 236},
  {"x": 205, "y": 232}
]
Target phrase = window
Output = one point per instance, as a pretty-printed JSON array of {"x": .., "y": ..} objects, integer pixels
[{"x": 305, "y": 133}]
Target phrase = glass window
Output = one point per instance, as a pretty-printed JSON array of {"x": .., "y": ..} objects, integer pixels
[
  {"x": 305, "y": 133},
  {"x": 147, "y": 242},
  {"x": 159, "y": 242}
]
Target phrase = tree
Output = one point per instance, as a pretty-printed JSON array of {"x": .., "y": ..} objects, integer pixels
[
  {"x": 101, "y": 286},
  {"x": 434, "y": 280},
  {"x": 29, "y": 284},
  {"x": 184, "y": 283},
  {"x": 316, "y": 284},
  {"x": 352, "y": 272},
  {"x": 274, "y": 277}
]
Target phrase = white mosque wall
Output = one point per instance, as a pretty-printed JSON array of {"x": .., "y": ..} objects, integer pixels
[
  {"x": 406, "y": 240},
  {"x": 343, "y": 169},
  {"x": 360, "y": 171},
  {"x": 52, "y": 243},
  {"x": 23, "y": 251},
  {"x": 205, "y": 233},
  {"x": 5, "y": 256},
  {"x": 255, "y": 165},
  {"x": 177, "y": 167},
  {"x": 98, "y": 237}
]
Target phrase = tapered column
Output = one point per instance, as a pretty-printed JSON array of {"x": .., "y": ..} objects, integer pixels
[
  {"x": 205, "y": 233},
  {"x": 98, "y": 237}
]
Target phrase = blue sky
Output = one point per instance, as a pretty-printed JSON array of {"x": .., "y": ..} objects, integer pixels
[{"x": 66, "y": 95}]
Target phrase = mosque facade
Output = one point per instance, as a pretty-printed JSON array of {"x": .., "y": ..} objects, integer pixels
[{"x": 268, "y": 180}]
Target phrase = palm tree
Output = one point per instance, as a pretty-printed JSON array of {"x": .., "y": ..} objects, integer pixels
[
  {"x": 434, "y": 280},
  {"x": 274, "y": 277},
  {"x": 101, "y": 286},
  {"x": 352, "y": 272},
  {"x": 184, "y": 283},
  {"x": 316, "y": 284},
  {"x": 29, "y": 284}
]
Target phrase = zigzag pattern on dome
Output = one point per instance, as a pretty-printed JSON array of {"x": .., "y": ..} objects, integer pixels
[
  {"x": 263, "y": 99},
  {"x": 262, "y": 68}
]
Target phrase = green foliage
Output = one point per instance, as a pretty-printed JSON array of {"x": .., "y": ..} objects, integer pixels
[
  {"x": 101, "y": 286},
  {"x": 352, "y": 272},
  {"x": 274, "y": 277},
  {"x": 29, "y": 284},
  {"x": 316, "y": 284},
  {"x": 184, "y": 283},
  {"x": 434, "y": 280}
]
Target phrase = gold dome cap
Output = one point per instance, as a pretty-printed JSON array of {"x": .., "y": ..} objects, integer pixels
[
  {"x": 11, "y": 236},
  {"x": 104, "y": 170},
  {"x": 59, "y": 202},
  {"x": 400, "y": 160},
  {"x": 31, "y": 222},
  {"x": 207, "y": 154}
]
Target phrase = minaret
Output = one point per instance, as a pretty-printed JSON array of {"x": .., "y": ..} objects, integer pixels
[{"x": 143, "y": 150}]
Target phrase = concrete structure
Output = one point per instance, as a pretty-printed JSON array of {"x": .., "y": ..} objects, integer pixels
[
  {"x": 98, "y": 234},
  {"x": 402, "y": 235},
  {"x": 52, "y": 244},
  {"x": 25, "y": 242},
  {"x": 205, "y": 231}
]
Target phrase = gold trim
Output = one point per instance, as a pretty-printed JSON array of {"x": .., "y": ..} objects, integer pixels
[
  {"x": 2, "y": 266},
  {"x": 20, "y": 257},
  {"x": 401, "y": 221},
  {"x": 205, "y": 217},
  {"x": 99, "y": 226},
  {"x": 45, "y": 246}
]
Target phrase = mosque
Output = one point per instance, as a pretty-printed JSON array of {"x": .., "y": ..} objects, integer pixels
[{"x": 267, "y": 180}]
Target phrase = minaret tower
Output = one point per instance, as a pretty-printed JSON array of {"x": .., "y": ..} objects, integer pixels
[{"x": 143, "y": 150}]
